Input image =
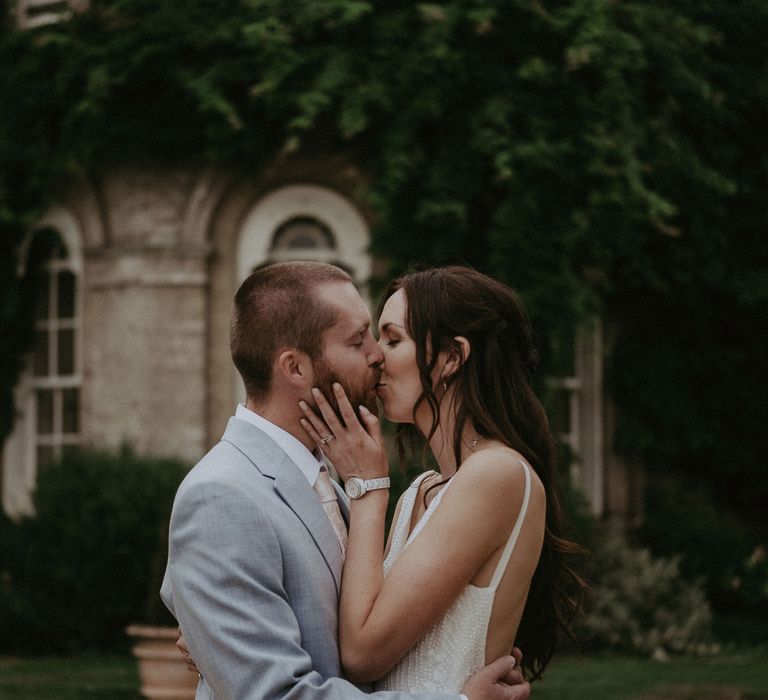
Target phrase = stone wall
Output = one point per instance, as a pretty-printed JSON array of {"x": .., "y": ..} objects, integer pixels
[
  {"x": 144, "y": 347},
  {"x": 144, "y": 318}
]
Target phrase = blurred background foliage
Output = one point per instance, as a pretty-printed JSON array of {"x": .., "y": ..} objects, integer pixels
[{"x": 604, "y": 158}]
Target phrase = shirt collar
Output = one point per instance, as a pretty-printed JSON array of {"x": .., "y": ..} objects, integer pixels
[{"x": 306, "y": 461}]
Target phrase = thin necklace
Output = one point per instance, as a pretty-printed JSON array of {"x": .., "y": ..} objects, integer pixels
[{"x": 472, "y": 445}]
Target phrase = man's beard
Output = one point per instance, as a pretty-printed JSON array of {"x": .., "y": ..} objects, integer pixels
[{"x": 363, "y": 395}]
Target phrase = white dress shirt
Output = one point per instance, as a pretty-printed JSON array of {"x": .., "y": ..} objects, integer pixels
[{"x": 305, "y": 460}]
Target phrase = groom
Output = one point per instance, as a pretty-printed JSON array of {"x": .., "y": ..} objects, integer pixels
[{"x": 255, "y": 563}]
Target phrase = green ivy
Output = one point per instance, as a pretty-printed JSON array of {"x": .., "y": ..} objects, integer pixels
[{"x": 603, "y": 157}]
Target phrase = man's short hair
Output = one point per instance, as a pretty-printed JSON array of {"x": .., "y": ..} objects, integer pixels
[{"x": 276, "y": 308}]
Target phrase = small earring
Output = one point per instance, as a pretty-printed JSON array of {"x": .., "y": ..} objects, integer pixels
[{"x": 445, "y": 385}]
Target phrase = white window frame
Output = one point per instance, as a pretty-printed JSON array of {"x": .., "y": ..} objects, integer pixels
[
  {"x": 19, "y": 454},
  {"x": 349, "y": 229},
  {"x": 56, "y": 383},
  {"x": 31, "y": 14},
  {"x": 585, "y": 434}
]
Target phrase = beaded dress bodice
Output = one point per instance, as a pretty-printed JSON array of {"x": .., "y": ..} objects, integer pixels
[{"x": 454, "y": 648}]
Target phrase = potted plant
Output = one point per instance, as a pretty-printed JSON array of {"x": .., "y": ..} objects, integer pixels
[{"x": 162, "y": 670}]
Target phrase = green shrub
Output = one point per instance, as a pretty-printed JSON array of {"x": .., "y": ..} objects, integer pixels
[
  {"x": 719, "y": 546},
  {"x": 89, "y": 561},
  {"x": 9, "y": 604},
  {"x": 641, "y": 604}
]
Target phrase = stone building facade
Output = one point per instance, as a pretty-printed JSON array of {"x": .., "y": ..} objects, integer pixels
[
  {"x": 132, "y": 345},
  {"x": 132, "y": 331}
]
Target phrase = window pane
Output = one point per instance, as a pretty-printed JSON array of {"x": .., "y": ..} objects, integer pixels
[
  {"x": 303, "y": 232},
  {"x": 44, "y": 412},
  {"x": 71, "y": 408},
  {"x": 42, "y": 295},
  {"x": 44, "y": 456},
  {"x": 66, "y": 351},
  {"x": 66, "y": 294},
  {"x": 60, "y": 251},
  {"x": 41, "y": 354}
]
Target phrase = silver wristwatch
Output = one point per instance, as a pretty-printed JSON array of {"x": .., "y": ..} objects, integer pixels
[{"x": 357, "y": 488}]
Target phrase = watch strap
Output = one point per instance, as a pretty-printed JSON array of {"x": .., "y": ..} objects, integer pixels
[{"x": 373, "y": 484}]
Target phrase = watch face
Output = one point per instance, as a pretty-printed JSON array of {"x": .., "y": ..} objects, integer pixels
[{"x": 354, "y": 487}]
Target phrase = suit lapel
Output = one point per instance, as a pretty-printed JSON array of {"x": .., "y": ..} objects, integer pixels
[{"x": 291, "y": 486}]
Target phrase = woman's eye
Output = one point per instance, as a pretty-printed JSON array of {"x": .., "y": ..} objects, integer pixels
[{"x": 392, "y": 342}]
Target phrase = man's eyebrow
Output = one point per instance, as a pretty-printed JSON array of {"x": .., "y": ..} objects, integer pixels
[{"x": 360, "y": 330}]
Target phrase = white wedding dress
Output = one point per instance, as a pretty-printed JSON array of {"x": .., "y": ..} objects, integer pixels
[{"x": 454, "y": 648}]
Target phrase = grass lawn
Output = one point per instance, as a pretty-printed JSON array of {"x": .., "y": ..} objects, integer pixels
[
  {"x": 741, "y": 675},
  {"x": 66, "y": 678}
]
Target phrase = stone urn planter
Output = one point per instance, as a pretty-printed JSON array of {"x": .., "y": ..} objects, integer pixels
[{"x": 161, "y": 669}]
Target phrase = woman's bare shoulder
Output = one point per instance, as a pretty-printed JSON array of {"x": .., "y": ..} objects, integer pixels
[{"x": 498, "y": 471}]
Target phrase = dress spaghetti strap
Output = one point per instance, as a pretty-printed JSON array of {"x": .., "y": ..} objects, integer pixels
[{"x": 501, "y": 566}]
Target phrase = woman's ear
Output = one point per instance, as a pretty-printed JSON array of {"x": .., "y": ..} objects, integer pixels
[
  {"x": 294, "y": 367},
  {"x": 457, "y": 356}
]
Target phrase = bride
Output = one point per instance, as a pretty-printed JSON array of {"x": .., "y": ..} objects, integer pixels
[{"x": 475, "y": 559}]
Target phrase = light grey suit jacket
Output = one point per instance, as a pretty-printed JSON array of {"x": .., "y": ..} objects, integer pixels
[{"x": 253, "y": 576}]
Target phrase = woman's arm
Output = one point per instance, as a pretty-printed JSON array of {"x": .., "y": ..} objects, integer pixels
[{"x": 381, "y": 619}]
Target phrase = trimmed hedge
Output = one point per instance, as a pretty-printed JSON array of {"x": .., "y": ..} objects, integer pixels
[{"x": 91, "y": 559}]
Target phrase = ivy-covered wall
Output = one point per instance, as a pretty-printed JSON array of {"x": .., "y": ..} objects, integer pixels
[{"x": 602, "y": 157}]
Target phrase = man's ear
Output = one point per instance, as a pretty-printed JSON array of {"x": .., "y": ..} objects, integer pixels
[
  {"x": 457, "y": 356},
  {"x": 295, "y": 368}
]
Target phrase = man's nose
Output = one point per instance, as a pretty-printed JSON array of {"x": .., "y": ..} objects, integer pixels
[{"x": 375, "y": 354}]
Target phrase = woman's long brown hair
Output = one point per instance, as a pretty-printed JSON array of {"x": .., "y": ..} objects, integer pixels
[{"x": 494, "y": 395}]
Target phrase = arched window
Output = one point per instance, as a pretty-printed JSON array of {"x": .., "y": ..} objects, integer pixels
[
  {"x": 302, "y": 233},
  {"x": 48, "y": 395},
  {"x": 303, "y": 222}
]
